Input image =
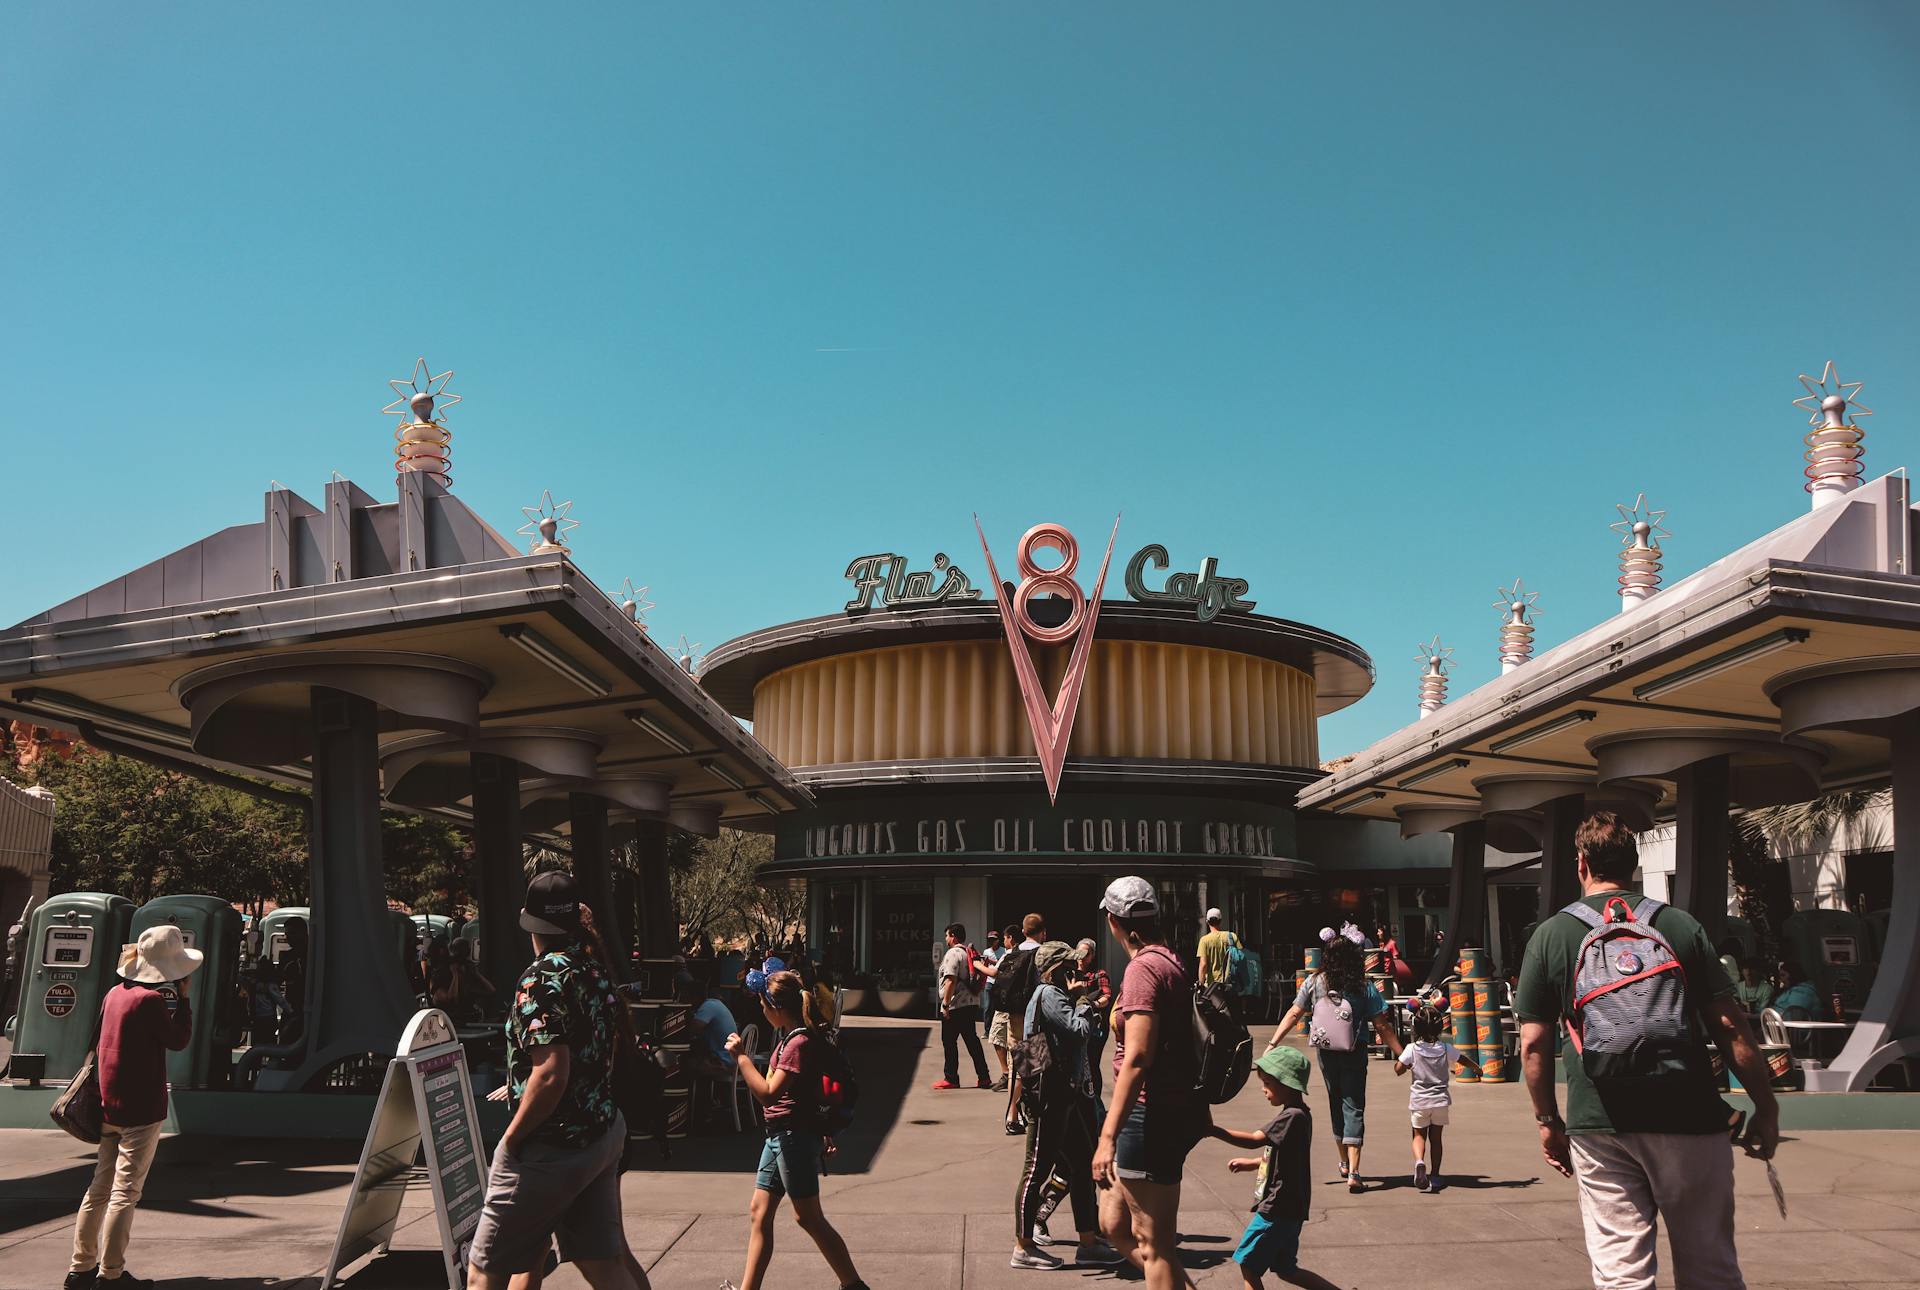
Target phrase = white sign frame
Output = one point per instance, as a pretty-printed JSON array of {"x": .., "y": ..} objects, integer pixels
[{"x": 431, "y": 1066}]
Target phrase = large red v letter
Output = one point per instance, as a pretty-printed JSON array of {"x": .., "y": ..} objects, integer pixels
[{"x": 1052, "y": 725}]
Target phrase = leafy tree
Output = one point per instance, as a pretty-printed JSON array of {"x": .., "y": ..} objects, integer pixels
[{"x": 718, "y": 889}]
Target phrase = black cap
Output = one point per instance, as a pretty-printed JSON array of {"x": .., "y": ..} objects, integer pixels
[{"x": 553, "y": 904}]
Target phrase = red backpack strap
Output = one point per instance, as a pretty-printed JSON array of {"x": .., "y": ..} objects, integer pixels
[{"x": 1620, "y": 903}]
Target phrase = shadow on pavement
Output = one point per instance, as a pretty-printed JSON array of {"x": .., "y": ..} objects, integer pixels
[
  {"x": 192, "y": 1176},
  {"x": 884, "y": 1057}
]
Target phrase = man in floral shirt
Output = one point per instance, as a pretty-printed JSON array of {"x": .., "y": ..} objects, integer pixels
[{"x": 557, "y": 1168}]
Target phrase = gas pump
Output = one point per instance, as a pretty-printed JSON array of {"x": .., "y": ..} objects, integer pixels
[
  {"x": 72, "y": 957},
  {"x": 211, "y": 926},
  {"x": 1834, "y": 949}
]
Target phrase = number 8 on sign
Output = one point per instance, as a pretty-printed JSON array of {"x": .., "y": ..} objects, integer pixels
[{"x": 1052, "y": 724}]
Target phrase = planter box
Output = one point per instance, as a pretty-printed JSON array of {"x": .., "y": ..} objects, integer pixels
[{"x": 859, "y": 1001}]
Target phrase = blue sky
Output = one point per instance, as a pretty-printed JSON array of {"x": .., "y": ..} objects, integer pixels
[{"x": 1383, "y": 305}]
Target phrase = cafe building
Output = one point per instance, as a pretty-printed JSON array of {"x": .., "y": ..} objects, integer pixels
[{"x": 1174, "y": 729}]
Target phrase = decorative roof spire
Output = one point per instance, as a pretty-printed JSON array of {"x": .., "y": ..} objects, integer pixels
[
  {"x": 1834, "y": 444},
  {"x": 547, "y": 525},
  {"x": 634, "y": 603},
  {"x": 1434, "y": 659},
  {"x": 689, "y": 656},
  {"x": 423, "y": 444},
  {"x": 1640, "y": 532},
  {"x": 1516, "y": 625}
]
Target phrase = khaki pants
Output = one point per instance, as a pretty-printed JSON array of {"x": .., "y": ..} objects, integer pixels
[
  {"x": 1686, "y": 1179},
  {"x": 119, "y": 1176}
]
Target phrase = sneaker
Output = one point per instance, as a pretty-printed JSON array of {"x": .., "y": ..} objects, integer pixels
[
  {"x": 1040, "y": 1259},
  {"x": 1000, "y": 1085},
  {"x": 946, "y": 1084},
  {"x": 1097, "y": 1255},
  {"x": 1354, "y": 1185},
  {"x": 983, "y": 1083},
  {"x": 1016, "y": 1130},
  {"x": 1433, "y": 1182},
  {"x": 126, "y": 1281},
  {"x": 1420, "y": 1174},
  {"x": 1041, "y": 1236},
  {"x": 85, "y": 1279}
]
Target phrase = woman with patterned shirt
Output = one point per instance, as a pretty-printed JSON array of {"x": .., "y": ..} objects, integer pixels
[{"x": 557, "y": 1167}]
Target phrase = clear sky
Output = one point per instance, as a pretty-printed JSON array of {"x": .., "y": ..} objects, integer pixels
[{"x": 1384, "y": 305}]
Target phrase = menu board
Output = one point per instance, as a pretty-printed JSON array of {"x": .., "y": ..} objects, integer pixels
[{"x": 426, "y": 1103}]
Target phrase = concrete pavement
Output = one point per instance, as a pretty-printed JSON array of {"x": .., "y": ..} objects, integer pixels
[{"x": 924, "y": 1192}]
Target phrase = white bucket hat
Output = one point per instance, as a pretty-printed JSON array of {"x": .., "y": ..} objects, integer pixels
[{"x": 159, "y": 956}]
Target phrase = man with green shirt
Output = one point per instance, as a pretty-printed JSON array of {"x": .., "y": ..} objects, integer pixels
[
  {"x": 1212, "y": 951},
  {"x": 1635, "y": 1155}
]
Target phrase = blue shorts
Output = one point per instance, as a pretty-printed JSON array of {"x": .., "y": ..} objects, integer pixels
[
  {"x": 790, "y": 1165},
  {"x": 1154, "y": 1140},
  {"x": 1269, "y": 1245}
]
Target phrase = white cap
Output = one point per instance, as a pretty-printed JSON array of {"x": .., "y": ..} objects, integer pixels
[
  {"x": 1213, "y": 915},
  {"x": 1130, "y": 897}
]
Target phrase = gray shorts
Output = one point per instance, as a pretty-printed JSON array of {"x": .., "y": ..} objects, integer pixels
[{"x": 544, "y": 1190}]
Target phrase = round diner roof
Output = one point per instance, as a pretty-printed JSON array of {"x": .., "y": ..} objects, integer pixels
[{"x": 1342, "y": 672}]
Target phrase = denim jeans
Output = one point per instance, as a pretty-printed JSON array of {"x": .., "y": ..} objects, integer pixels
[{"x": 1346, "y": 1078}]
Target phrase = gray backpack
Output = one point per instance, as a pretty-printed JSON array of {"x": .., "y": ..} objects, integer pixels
[
  {"x": 1332, "y": 1027},
  {"x": 1631, "y": 1021}
]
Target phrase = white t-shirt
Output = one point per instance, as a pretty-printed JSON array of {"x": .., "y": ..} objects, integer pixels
[
  {"x": 1430, "y": 1066},
  {"x": 954, "y": 965}
]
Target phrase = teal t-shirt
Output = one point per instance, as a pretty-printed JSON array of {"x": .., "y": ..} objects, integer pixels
[{"x": 1546, "y": 996}]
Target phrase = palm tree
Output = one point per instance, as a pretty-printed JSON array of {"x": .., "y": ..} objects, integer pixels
[{"x": 1762, "y": 883}]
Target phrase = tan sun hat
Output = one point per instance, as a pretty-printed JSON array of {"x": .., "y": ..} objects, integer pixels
[{"x": 159, "y": 956}]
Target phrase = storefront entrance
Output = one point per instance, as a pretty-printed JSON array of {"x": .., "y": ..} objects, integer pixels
[{"x": 1070, "y": 904}]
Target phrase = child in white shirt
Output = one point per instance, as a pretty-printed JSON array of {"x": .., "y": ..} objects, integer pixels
[{"x": 1430, "y": 1102}]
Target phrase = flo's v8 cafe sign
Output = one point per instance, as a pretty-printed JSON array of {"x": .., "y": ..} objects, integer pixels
[{"x": 884, "y": 580}]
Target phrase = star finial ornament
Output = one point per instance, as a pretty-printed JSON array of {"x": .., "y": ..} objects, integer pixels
[
  {"x": 1639, "y": 522},
  {"x": 419, "y": 394},
  {"x": 547, "y": 523},
  {"x": 1436, "y": 658},
  {"x": 634, "y": 603},
  {"x": 1516, "y": 602},
  {"x": 688, "y": 655},
  {"x": 1830, "y": 399}
]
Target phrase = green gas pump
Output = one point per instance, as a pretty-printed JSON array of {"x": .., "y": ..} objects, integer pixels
[
  {"x": 211, "y": 926},
  {"x": 1835, "y": 949},
  {"x": 273, "y": 930},
  {"x": 72, "y": 960}
]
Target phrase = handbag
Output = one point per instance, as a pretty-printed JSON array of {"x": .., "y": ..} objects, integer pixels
[{"x": 78, "y": 1109}]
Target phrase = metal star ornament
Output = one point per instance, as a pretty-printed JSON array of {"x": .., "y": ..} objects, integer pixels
[
  {"x": 547, "y": 523},
  {"x": 688, "y": 655},
  {"x": 1628, "y": 526},
  {"x": 1435, "y": 657},
  {"x": 1830, "y": 399},
  {"x": 634, "y": 603},
  {"x": 422, "y": 397},
  {"x": 1516, "y": 601}
]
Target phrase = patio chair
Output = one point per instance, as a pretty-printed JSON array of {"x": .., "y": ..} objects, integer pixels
[{"x": 736, "y": 1087}]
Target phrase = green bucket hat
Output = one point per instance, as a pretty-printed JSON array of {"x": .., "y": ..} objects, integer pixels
[
  {"x": 1050, "y": 956},
  {"x": 1288, "y": 1065}
]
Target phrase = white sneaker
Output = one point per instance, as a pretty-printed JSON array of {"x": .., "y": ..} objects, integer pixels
[
  {"x": 1420, "y": 1174},
  {"x": 1040, "y": 1259},
  {"x": 1040, "y": 1234}
]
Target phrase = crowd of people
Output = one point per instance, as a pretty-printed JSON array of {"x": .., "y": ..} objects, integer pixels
[{"x": 1634, "y": 984}]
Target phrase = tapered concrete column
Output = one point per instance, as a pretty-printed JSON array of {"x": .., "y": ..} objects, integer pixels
[
  {"x": 1876, "y": 696},
  {"x": 1700, "y": 843},
  {"x": 658, "y": 928},
  {"x": 358, "y": 999},
  {"x": 1559, "y": 868},
  {"x": 1466, "y": 898},
  {"x": 499, "y": 861},
  {"x": 592, "y": 867}
]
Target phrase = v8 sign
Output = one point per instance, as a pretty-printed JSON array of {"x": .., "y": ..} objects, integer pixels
[{"x": 1052, "y": 724}]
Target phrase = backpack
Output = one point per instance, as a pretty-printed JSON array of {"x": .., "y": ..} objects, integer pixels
[
  {"x": 838, "y": 1092},
  {"x": 1042, "y": 1079},
  {"x": 1631, "y": 1021},
  {"x": 1222, "y": 1048},
  {"x": 1333, "y": 1027},
  {"x": 974, "y": 980},
  {"x": 1239, "y": 972},
  {"x": 1015, "y": 983}
]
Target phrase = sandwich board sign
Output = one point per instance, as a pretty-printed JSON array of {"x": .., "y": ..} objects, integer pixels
[{"x": 426, "y": 1102}]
